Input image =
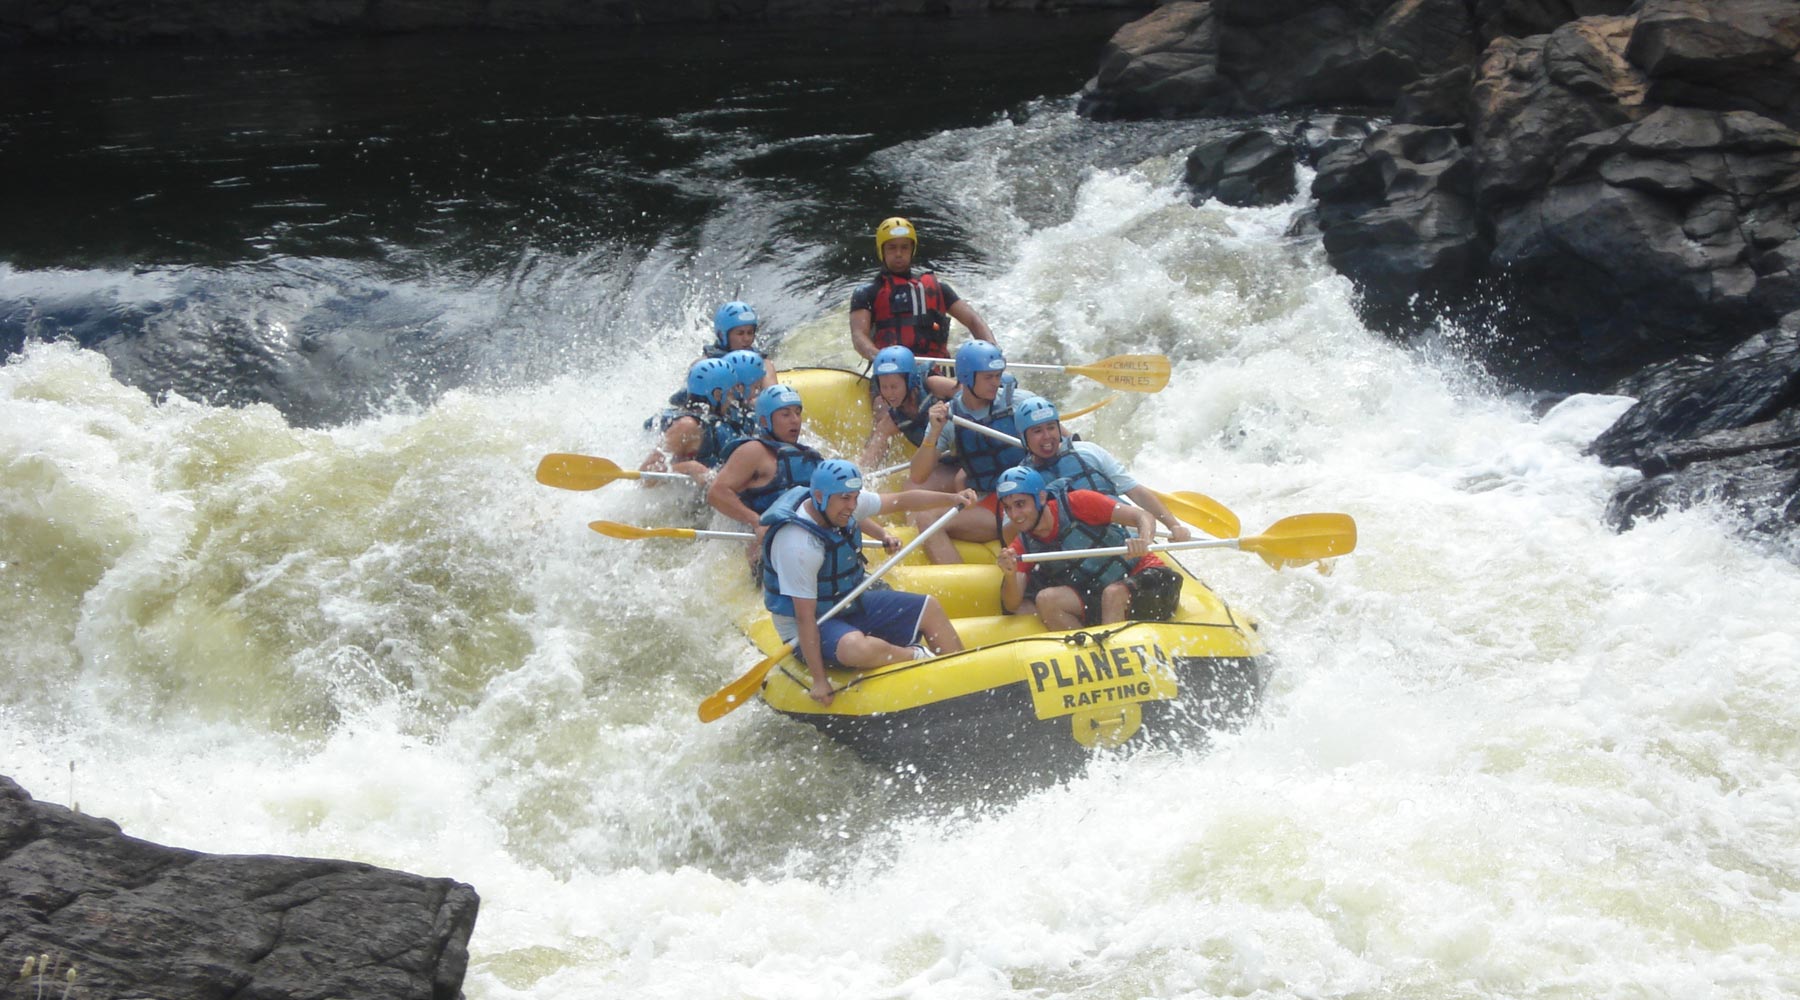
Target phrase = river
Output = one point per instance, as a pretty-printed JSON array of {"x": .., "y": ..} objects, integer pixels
[{"x": 289, "y": 326}]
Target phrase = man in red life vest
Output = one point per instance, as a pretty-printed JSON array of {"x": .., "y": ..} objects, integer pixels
[{"x": 901, "y": 308}]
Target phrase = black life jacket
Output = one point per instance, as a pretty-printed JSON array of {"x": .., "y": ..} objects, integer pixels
[{"x": 717, "y": 436}]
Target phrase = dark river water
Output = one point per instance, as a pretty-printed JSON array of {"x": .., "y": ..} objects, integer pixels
[{"x": 400, "y": 206}]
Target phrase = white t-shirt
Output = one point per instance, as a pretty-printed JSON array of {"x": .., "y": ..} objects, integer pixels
[{"x": 798, "y": 555}]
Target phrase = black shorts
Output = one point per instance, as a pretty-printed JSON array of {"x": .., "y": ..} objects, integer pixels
[{"x": 1155, "y": 592}]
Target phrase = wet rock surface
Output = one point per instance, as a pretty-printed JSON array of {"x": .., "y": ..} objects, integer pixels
[
  {"x": 1599, "y": 188},
  {"x": 137, "y": 919}
]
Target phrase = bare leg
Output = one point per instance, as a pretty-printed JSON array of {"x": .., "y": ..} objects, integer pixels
[
  {"x": 1060, "y": 608},
  {"x": 860, "y": 651},
  {"x": 1115, "y": 601},
  {"x": 939, "y": 633}
]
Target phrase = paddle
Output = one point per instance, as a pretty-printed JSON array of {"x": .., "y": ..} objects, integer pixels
[
  {"x": 1131, "y": 372},
  {"x": 616, "y": 529},
  {"x": 1301, "y": 537},
  {"x": 733, "y": 695},
  {"x": 585, "y": 472},
  {"x": 1196, "y": 509}
]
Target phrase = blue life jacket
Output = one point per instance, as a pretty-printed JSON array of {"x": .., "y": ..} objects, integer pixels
[
  {"x": 1069, "y": 469},
  {"x": 1088, "y": 575},
  {"x": 844, "y": 566},
  {"x": 982, "y": 457},
  {"x": 794, "y": 464},
  {"x": 716, "y": 435}
]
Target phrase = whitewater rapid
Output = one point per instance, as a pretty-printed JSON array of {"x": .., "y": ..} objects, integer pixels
[{"x": 1507, "y": 752}]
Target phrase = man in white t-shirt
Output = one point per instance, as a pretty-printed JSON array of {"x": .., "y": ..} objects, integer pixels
[{"x": 812, "y": 559}]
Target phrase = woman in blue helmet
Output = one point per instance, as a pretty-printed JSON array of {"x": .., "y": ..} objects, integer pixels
[
  {"x": 904, "y": 389},
  {"x": 695, "y": 436},
  {"x": 986, "y": 395},
  {"x": 1098, "y": 590},
  {"x": 812, "y": 557},
  {"x": 1082, "y": 465},
  {"x": 759, "y": 469}
]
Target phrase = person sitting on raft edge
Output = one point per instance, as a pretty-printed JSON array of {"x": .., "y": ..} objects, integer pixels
[
  {"x": 812, "y": 558},
  {"x": 695, "y": 436},
  {"x": 1097, "y": 590},
  {"x": 1062, "y": 458}
]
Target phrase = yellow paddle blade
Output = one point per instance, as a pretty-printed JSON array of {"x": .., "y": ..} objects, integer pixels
[
  {"x": 1303, "y": 537},
  {"x": 1201, "y": 511},
  {"x": 614, "y": 529},
  {"x": 1131, "y": 372},
  {"x": 732, "y": 696},
  {"x": 1084, "y": 411},
  {"x": 579, "y": 472}
]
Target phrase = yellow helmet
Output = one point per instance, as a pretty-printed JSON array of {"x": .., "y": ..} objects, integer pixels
[{"x": 895, "y": 228}]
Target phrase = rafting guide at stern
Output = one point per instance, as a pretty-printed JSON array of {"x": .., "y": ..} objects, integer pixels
[
  {"x": 812, "y": 558},
  {"x": 900, "y": 308}
]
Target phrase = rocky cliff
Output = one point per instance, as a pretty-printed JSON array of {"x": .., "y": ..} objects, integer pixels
[
  {"x": 100, "y": 914},
  {"x": 1599, "y": 190}
]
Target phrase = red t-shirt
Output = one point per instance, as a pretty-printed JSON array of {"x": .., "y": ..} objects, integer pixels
[{"x": 1089, "y": 507}]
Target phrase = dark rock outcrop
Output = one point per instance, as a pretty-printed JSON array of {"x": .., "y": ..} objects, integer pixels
[
  {"x": 1725, "y": 430},
  {"x": 138, "y": 919},
  {"x": 1251, "y": 168},
  {"x": 1398, "y": 216},
  {"x": 1609, "y": 186}
]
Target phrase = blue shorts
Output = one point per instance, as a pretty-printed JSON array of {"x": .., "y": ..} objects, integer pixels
[{"x": 890, "y": 615}]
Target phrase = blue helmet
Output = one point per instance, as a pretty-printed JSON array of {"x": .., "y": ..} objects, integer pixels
[
  {"x": 775, "y": 397},
  {"x": 977, "y": 356},
  {"x": 730, "y": 316},
  {"x": 898, "y": 360},
  {"x": 746, "y": 369},
  {"x": 1032, "y": 412},
  {"x": 832, "y": 477},
  {"x": 1020, "y": 479},
  {"x": 708, "y": 375}
]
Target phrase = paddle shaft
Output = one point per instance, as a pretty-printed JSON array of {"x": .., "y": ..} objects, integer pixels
[{"x": 1198, "y": 543}]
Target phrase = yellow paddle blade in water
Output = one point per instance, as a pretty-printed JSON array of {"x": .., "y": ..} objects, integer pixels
[
  {"x": 579, "y": 472},
  {"x": 1303, "y": 537}
]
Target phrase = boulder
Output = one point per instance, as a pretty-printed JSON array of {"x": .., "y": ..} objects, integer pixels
[
  {"x": 1398, "y": 218},
  {"x": 1725, "y": 55},
  {"x": 1164, "y": 64},
  {"x": 1251, "y": 168},
  {"x": 136, "y": 919}
]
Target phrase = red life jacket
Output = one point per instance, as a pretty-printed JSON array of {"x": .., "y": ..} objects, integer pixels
[{"x": 925, "y": 333}]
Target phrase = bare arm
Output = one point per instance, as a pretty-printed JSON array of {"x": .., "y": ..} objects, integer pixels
[
  {"x": 925, "y": 460},
  {"x": 861, "y": 322},
  {"x": 925, "y": 500},
  {"x": 965, "y": 314},
  {"x": 1012, "y": 581},
  {"x": 806, "y": 622},
  {"x": 738, "y": 473},
  {"x": 1143, "y": 521},
  {"x": 1146, "y": 498}
]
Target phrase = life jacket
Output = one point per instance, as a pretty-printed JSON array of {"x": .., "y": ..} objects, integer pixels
[
  {"x": 912, "y": 427},
  {"x": 982, "y": 457},
  {"x": 716, "y": 438},
  {"x": 1068, "y": 468},
  {"x": 1088, "y": 575},
  {"x": 925, "y": 328},
  {"x": 844, "y": 566},
  {"x": 794, "y": 464}
]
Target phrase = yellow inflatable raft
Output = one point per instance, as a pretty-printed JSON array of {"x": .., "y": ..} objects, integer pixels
[{"x": 1018, "y": 698}]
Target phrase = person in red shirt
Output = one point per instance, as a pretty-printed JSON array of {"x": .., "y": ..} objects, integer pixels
[{"x": 1070, "y": 593}]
